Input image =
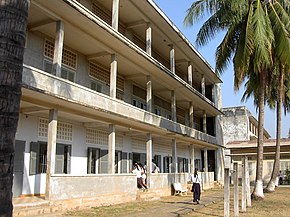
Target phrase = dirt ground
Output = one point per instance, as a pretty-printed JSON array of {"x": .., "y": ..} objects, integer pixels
[{"x": 274, "y": 204}]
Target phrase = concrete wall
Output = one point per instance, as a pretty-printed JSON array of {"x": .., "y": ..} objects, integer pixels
[{"x": 235, "y": 124}]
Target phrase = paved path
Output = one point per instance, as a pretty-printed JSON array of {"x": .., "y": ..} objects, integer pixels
[{"x": 178, "y": 205}]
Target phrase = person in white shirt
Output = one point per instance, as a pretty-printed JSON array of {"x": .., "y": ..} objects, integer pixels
[
  {"x": 195, "y": 186},
  {"x": 137, "y": 171}
]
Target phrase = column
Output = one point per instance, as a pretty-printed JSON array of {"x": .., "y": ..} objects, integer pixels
[
  {"x": 189, "y": 73},
  {"x": 203, "y": 85},
  {"x": 236, "y": 190},
  {"x": 115, "y": 14},
  {"x": 111, "y": 149},
  {"x": 204, "y": 122},
  {"x": 51, "y": 149},
  {"x": 149, "y": 156},
  {"x": 173, "y": 106},
  {"x": 192, "y": 166},
  {"x": 206, "y": 183},
  {"x": 113, "y": 76},
  {"x": 174, "y": 156},
  {"x": 219, "y": 167},
  {"x": 58, "y": 46},
  {"x": 148, "y": 38},
  {"x": 248, "y": 188},
  {"x": 191, "y": 115},
  {"x": 227, "y": 193},
  {"x": 213, "y": 93},
  {"x": 172, "y": 59},
  {"x": 205, "y": 160},
  {"x": 244, "y": 187},
  {"x": 149, "y": 94}
]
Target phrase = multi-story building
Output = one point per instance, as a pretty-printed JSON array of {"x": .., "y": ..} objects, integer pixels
[
  {"x": 107, "y": 83},
  {"x": 240, "y": 132},
  {"x": 239, "y": 125}
]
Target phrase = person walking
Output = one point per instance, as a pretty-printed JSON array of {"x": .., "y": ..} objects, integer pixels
[{"x": 195, "y": 186}]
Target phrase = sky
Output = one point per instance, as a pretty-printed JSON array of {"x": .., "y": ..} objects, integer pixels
[{"x": 175, "y": 11}]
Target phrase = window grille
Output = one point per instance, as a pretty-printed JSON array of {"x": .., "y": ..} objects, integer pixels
[
  {"x": 139, "y": 42},
  {"x": 138, "y": 144},
  {"x": 101, "y": 73},
  {"x": 69, "y": 58},
  {"x": 94, "y": 136},
  {"x": 104, "y": 15},
  {"x": 64, "y": 130}
]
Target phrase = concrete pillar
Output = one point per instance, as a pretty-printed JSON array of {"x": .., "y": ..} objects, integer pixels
[
  {"x": 115, "y": 14},
  {"x": 203, "y": 85},
  {"x": 149, "y": 94},
  {"x": 227, "y": 193},
  {"x": 206, "y": 181},
  {"x": 191, "y": 115},
  {"x": 149, "y": 39},
  {"x": 111, "y": 149},
  {"x": 249, "y": 201},
  {"x": 173, "y": 106},
  {"x": 172, "y": 59},
  {"x": 58, "y": 46},
  {"x": 213, "y": 93},
  {"x": 192, "y": 166},
  {"x": 174, "y": 156},
  {"x": 51, "y": 149},
  {"x": 244, "y": 187},
  {"x": 219, "y": 167},
  {"x": 113, "y": 76},
  {"x": 204, "y": 122},
  {"x": 236, "y": 190},
  {"x": 149, "y": 156},
  {"x": 205, "y": 160},
  {"x": 189, "y": 73}
]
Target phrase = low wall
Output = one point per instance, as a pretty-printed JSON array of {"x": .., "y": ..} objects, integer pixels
[
  {"x": 162, "y": 182},
  {"x": 92, "y": 190}
]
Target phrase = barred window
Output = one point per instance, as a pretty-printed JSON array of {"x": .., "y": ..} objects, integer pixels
[
  {"x": 69, "y": 58},
  {"x": 64, "y": 130},
  {"x": 94, "y": 136},
  {"x": 101, "y": 73}
]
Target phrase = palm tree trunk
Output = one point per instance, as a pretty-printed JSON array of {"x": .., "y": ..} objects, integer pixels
[
  {"x": 13, "y": 22},
  {"x": 275, "y": 173},
  {"x": 258, "y": 189}
]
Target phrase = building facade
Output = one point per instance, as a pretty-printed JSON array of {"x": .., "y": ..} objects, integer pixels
[
  {"x": 239, "y": 125},
  {"x": 107, "y": 83},
  {"x": 240, "y": 132}
]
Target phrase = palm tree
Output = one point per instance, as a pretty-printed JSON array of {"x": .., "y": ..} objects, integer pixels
[
  {"x": 13, "y": 22},
  {"x": 279, "y": 96},
  {"x": 251, "y": 28}
]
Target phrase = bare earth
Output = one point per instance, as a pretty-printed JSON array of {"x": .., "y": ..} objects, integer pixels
[{"x": 274, "y": 204}]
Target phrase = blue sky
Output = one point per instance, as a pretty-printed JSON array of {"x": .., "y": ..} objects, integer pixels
[{"x": 176, "y": 10}]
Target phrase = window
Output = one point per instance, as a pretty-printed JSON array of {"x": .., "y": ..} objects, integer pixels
[
  {"x": 69, "y": 58},
  {"x": 65, "y": 72},
  {"x": 38, "y": 155},
  {"x": 96, "y": 86},
  {"x": 140, "y": 104},
  {"x": 93, "y": 160},
  {"x": 157, "y": 160},
  {"x": 167, "y": 164},
  {"x": 197, "y": 164},
  {"x": 182, "y": 165}
]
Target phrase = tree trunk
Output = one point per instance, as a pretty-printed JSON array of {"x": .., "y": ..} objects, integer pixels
[
  {"x": 258, "y": 189},
  {"x": 275, "y": 173},
  {"x": 13, "y": 23}
]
